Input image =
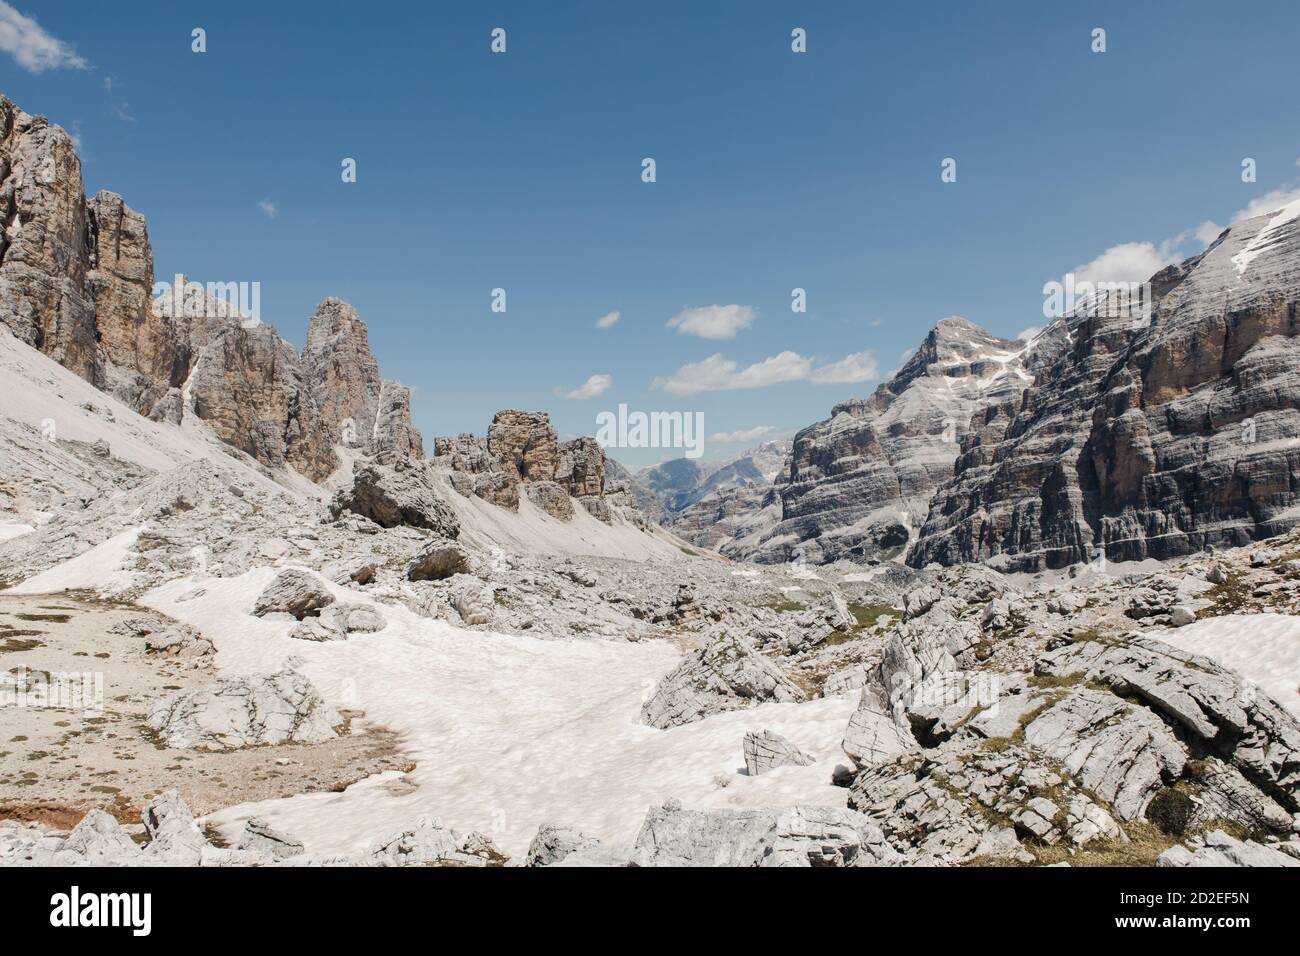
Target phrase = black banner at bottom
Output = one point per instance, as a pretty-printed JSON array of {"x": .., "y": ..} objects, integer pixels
[{"x": 212, "y": 906}]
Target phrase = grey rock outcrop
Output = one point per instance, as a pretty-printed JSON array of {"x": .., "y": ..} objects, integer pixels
[
  {"x": 294, "y": 592},
  {"x": 429, "y": 843},
  {"x": 437, "y": 560},
  {"x": 1219, "y": 849},
  {"x": 766, "y": 750},
  {"x": 960, "y": 801},
  {"x": 247, "y": 385},
  {"x": 390, "y": 497},
  {"x": 551, "y": 498},
  {"x": 472, "y": 599},
  {"x": 1246, "y": 728},
  {"x": 44, "y": 243},
  {"x": 798, "y": 836},
  {"x": 395, "y": 438},
  {"x": 100, "y": 839},
  {"x": 727, "y": 674},
  {"x": 174, "y": 837},
  {"x": 76, "y": 282},
  {"x": 260, "y": 837},
  {"x": 580, "y": 467},
  {"x": 140, "y": 360},
  {"x": 239, "y": 712},
  {"x": 554, "y": 843}
]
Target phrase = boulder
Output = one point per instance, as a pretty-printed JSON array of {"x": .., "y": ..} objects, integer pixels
[
  {"x": 727, "y": 674},
  {"x": 299, "y": 594},
  {"x": 837, "y": 614},
  {"x": 235, "y": 712},
  {"x": 174, "y": 837},
  {"x": 765, "y": 750},
  {"x": 429, "y": 843},
  {"x": 102, "y": 841},
  {"x": 391, "y": 497},
  {"x": 554, "y": 843},
  {"x": 260, "y": 837},
  {"x": 474, "y": 600},
  {"x": 797, "y": 836},
  {"x": 437, "y": 560}
]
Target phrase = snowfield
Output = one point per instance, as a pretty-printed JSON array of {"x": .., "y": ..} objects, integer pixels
[
  {"x": 507, "y": 732},
  {"x": 1264, "y": 648}
]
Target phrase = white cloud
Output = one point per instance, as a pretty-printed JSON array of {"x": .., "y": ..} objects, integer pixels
[
  {"x": 718, "y": 374},
  {"x": 31, "y": 47},
  {"x": 1207, "y": 232},
  {"x": 1029, "y": 333},
  {"x": 849, "y": 370},
  {"x": 123, "y": 112},
  {"x": 1129, "y": 262},
  {"x": 714, "y": 321},
  {"x": 746, "y": 434},
  {"x": 108, "y": 84},
  {"x": 595, "y": 385},
  {"x": 1269, "y": 202},
  {"x": 268, "y": 209},
  {"x": 606, "y": 320}
]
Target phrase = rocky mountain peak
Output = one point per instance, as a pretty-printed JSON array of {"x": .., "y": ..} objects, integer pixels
[
  {"x": 1150, "y": 436},
  {"x": 858, "y": 483},
  {"x": 342, "y": 374},
  {"x": 76, "y": 282}
]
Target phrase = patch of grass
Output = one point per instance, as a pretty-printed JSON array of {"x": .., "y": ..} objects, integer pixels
[
  {"x": 52, "y": 618},
  {"x": 1145, "y": 843},
  {"x": 13, "y": 645},
  {"x": 783, "y": 607},
  {"x": 1231, "y": 596},
  {"x": 868, "y": 614}
]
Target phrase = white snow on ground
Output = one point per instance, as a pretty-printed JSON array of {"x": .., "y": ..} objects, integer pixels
[
  {"x": 99, "y": 568},
  {"x": 12, "y": 529},
  {"x": 508, "y": 732},
  {"x": 1264, "y": 648}
]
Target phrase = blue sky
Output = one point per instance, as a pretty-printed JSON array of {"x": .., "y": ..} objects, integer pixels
[{"x": 775, "y": 170}]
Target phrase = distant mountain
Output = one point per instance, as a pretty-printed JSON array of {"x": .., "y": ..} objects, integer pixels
[
  {"x": 858, "y": 484},
  {"x": 679, "y": 494}
]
